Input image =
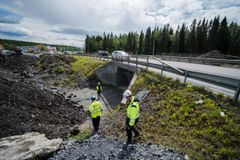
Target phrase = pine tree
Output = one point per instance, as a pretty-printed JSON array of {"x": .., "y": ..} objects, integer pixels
[
  {"x": 141, "y": 45},
  {"x": 105, "y": 42},
  {"x": 192, "y": 37},
  {"x": 135, "y": 41},
  {"x": 182, "y": 39},
  {"x": 175, "y": 41},
  {"x": 200, "y": 37},
  {"x": 234, "y": 31},
  {"x": 87, "y": 44},
  {"x": 147, "y": 42},
  {"x": 213, "y": 34},
  {"x": 223, "y": 41}
]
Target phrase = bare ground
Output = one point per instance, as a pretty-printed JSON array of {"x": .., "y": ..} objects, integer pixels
[{"x": 27, "y": 105}]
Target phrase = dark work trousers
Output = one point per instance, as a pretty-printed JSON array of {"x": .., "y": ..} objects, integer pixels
[
  {"x": 130, "y": 129},
  {"x": 96, "y": 122},
  {"x": 99, "y": 95}
]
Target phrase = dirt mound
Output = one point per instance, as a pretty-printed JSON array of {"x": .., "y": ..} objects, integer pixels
[
  {"x": 213, "y": 54},
  {"x": 48, "y": 63},
  {"x": 57, "y": 71},
  {"x": 26, "y": 105},
  {"x": 17, "y": 63}
]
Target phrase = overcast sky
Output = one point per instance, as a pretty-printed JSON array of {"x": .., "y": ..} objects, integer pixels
[{"x": 68, "y": 21}]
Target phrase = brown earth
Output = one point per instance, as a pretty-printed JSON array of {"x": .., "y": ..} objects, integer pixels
[
  {"x": 213, "y": 54},
  {"x": 28, "y": 105}
]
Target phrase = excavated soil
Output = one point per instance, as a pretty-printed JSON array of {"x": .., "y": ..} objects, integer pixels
[{"x": 26, "y": 104}]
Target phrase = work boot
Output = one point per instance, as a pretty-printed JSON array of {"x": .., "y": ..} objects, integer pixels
[
  {"x": 128, "y": 142},
  {"x": 136, "y": 135},
  {"x": 94, "y": 132}
]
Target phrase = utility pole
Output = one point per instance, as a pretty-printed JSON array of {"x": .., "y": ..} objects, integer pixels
[{"x": 153, "y": 31}]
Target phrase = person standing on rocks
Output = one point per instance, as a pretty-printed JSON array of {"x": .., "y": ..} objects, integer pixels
[
  {"x": 133, "y": 113},
  {"x": 99, "y": 90},
  {"x": 95, "y": 110}
]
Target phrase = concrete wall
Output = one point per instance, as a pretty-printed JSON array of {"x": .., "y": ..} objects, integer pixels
[
  {"x": 107, "y": 74},
  {"x": 124, "y": 77},
  {"x": 115, "y": 74}
]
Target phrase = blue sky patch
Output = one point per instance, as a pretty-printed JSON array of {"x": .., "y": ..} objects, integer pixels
[
  {"x": 9, "y": 17},
  {"x": 13, "y": 34}
]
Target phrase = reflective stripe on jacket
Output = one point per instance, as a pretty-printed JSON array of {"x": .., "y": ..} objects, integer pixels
[
  {"x": 95, "y": 109},
  {"x": 133, "y": 112}
]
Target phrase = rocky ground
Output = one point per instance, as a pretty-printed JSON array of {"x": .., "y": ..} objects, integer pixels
[
  {"x": 98, "y": 147},
  {"x": 26, "y": 104}
]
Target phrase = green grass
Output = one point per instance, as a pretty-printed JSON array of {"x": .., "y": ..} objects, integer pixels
[
  {"x": 86, "y": 66},
  {"x": 81, "y": 136},
  {"x": 172, "y": 117},
  {"x": 59, "y": 70}
]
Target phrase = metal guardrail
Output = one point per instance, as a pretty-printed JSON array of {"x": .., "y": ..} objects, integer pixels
[
  {"x": 168, "y": 65},
  {"x": 225, "y": 82},
  {"x": 198, "y": 60}
]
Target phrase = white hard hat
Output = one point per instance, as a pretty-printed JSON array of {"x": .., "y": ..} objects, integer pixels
[
  {"x": 99, "y": 83},
  {"x": 92, "y": 98},
  {"x": 127, "y": 93}
]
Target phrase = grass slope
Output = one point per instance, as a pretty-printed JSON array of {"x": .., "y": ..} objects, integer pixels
[
  {"x": 187, "y": 118},
  {"x": 68, "y": 70}
]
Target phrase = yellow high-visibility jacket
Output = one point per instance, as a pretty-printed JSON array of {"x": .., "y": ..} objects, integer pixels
[
  {"x": 99, "y": 88},
  {"x": 95, "y": 109},
  {"x": 133, "y": 112}
]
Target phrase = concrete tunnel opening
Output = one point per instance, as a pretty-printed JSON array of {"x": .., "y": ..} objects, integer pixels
[
  {"x": 124, "y": 78},
  {"x": 118, "y": 75}
]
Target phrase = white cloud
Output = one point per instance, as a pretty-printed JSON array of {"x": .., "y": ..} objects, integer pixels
[
  {"x": 45, "y": 17},
  {"x": 19, "y": 4}
]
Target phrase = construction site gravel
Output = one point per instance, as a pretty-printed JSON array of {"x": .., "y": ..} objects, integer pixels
[
  {"x": 26, "y": 104},
  {"x": 98, "y": 147},
  {"x": 29, "y": 103}
]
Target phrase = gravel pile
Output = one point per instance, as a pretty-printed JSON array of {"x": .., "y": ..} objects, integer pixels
[
  {"x": 27, "y": 105},
  {"x": 213, "y": 54},
  {"x": 98, "y": 147}
]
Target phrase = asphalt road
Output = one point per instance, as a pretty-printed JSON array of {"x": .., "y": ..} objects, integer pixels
[{"x": 214, "y": 70}]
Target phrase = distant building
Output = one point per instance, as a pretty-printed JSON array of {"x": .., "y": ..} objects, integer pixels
[
  {"x": 38, "y": 49},
  {"x": 50, "y": 48},
  {"x": 26, "y": 49}
]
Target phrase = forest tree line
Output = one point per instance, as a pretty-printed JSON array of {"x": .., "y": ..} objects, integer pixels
[{"x": 200, "y": 37}]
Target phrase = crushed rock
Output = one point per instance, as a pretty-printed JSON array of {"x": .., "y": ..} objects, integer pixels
[{"x": 99, "y": 148}]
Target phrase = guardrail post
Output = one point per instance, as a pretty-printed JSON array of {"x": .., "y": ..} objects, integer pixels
[
  {"x": 162, "y": 69},
  {"x": 236, "y": 95},
  {"x": 185, "y": 77},
  {"x": 136, "y": 63},
  {"x": 147, "y": 63}
]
